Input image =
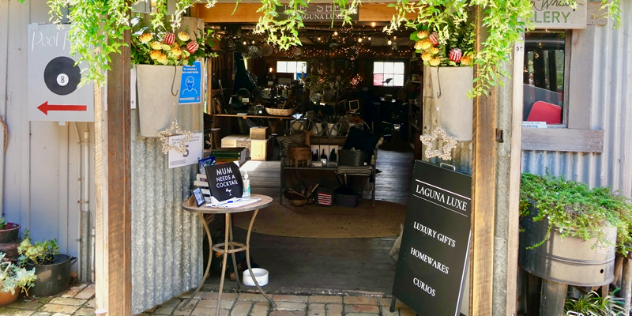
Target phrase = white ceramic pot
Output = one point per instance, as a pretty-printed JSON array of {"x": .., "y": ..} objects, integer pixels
[
  {"x": 450, "y": 86},
  {"x": 156, "y": 104},
  {"x": 333, "y": 129},
  {"x": 317, "y": 129}
]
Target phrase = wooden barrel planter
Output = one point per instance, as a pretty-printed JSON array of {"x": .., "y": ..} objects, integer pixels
[{"x": 568, "y": 260}]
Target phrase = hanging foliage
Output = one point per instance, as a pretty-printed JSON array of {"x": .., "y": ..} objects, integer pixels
[
  {"x": 504, "y": 20},
  {"x": 98, "y": 26}
]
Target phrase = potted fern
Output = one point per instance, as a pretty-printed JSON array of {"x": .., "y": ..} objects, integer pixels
[
  {"x": 51, "y": 268},
  {"x": 13, "y": 280},
  {"x": 569, "y": 232}
]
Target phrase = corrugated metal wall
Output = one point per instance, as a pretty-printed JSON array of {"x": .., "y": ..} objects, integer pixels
[
  {"x": 611, "y": 111},
  {"x": 166, "y": 240}
]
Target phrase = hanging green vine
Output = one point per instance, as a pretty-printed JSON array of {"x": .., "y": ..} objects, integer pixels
[
  {"x": 98, "y": 26},
  {"x": 504, "y": 20}
]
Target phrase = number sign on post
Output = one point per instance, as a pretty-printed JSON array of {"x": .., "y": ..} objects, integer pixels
[
  {"x": 435, "y": 243},
  {"x": 191, "y": 155}
]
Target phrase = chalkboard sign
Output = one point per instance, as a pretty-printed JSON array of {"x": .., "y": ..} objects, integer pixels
[
  {"x": 435, "y": 243},
  {"x": 224, "y": 181}
]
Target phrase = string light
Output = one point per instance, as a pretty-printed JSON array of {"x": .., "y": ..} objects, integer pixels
[
  {"x": 359, "y": 39},
  {"x": 336, "y": 33},
  {"x": 389, "y": 42},
  {"x": 372, "y": 24},
  {"x": 369, "y": 38},
  {"x": 245, "y": 43}
]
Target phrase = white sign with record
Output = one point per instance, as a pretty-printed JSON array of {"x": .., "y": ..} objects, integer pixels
[{"x": 53, "y": 78}]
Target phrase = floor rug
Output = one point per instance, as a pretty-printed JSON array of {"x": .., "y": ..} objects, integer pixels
[{"x": 363, "y": 221}]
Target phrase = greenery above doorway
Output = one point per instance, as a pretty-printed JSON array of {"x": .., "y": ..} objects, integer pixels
[{"x": 98, "y": 27}]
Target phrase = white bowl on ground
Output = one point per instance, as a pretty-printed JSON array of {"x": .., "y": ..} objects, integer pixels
[{"x": 260, "y": 274}]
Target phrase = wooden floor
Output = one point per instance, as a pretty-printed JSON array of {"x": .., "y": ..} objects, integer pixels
[{"x": 312, "y": 265}]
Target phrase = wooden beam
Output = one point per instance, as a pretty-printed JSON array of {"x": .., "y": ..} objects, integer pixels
[
  {"x": 113, "y": 242},
  {"x": 553, "y": 297},
  {"x": 483, "y": 195},
  {"x": 378, "y": 13},
  {"x": 247, "y": 13},
  {"x": 563, "y": 139},
  {"x": 596, "y": 16}
]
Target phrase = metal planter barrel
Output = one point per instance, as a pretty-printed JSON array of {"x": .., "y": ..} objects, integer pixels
[
  {"x": 52, "y": 278},
  {"x": 568, "y": 260}
]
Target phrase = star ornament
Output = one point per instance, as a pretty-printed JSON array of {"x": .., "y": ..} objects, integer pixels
[
  {"x": 449, "y": 143},
  {"x": 180, "y": 146}
]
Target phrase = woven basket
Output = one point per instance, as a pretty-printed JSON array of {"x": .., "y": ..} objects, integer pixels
[
  {"x": 300, "y": 153},
  {"x": 280, "y": 112}
]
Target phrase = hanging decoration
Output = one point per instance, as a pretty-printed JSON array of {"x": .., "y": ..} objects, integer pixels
[
  {"x": 174, "y": 130},
  {"x": 449, "y": 143}
]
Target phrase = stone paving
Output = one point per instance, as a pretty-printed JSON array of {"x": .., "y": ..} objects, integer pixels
[{"x": 79, "y": 300}]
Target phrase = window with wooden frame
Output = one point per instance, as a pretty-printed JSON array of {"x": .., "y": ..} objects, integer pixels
[
  {"x": 388, "y": 73},
  {"x": 546, "y": 73},
  {"x": 573, "y": 92}
]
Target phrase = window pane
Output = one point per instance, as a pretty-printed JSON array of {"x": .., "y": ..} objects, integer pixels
[
  {"x": 281, "y": 66},
  {"x": 291, "y": 67},
  {"x": 388, "y": 67},
  {"x": 378, "y": 67},
  {"x": 399, "y": 68},
  {"x": 377, "y": 79},
  {"x": 399, "y": 80},
  {"x": 544, "y": 75}
]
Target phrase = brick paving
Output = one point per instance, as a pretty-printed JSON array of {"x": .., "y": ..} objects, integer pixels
[{"x": 79, "y": 300}]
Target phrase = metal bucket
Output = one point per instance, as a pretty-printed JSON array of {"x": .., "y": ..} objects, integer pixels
[
  {"x": 571, "y": 260},
  {"x": 53, "y": 278},
  {"x": 10, "y": 233}
]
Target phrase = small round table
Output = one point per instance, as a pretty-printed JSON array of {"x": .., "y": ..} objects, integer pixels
[{"x": 229, "y": 246}]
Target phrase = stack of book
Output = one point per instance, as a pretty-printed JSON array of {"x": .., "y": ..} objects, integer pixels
[
  {"x": 202, "y": 183},
  {"x": 225, "y": 155}
]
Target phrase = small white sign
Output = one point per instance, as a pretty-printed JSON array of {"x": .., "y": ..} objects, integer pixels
[
  {"x": 534, "y": 124},
  {"x": 191, "y": 156}
]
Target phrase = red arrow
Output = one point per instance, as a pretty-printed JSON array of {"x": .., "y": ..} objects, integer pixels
[{"x": 45, "y": 107}]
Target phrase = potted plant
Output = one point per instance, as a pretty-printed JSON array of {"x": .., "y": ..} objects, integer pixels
[
  {"x": 447, "y": 51},
  {"x": 51, "y": 268},
  {"x": 159, "y": 55},
  {"x": 569, "y": 232},
  {"x": 592, "y": 304},
  {"x": 8, "y": 231},
  {"x": 13, "y": 280}
]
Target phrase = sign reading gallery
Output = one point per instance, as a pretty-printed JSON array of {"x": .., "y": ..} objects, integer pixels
[
  {"x": 435, "y": 242},
  {"x": 557, "y": 14}
]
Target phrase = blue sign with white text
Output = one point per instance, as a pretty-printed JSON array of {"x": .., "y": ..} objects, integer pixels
[{"x": 191, "y": 85}]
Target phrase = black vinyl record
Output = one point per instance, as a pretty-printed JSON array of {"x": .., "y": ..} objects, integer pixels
[{"x": 62, "y": 76}]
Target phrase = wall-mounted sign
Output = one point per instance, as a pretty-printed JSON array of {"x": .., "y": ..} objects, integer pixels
[
  {"x": 191, "y": 84},
  {"x": 554, "y": 14},
  {"x": 193, "y": 153},
  {"x": 53, "y": 78},
  {"x": 317, "y": 12},
  {"x": 434, "y": 251}
]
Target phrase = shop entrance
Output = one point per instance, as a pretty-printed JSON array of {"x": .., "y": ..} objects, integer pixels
[{"x": 343, "y": 83}]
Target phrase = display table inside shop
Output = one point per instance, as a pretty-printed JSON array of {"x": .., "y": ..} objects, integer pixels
[
  {"x": 229, "y": 246},
  {"x": 366, "y": 171}
]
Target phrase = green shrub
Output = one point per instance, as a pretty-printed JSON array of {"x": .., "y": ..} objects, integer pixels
[{"x": 576, "y": 210}]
